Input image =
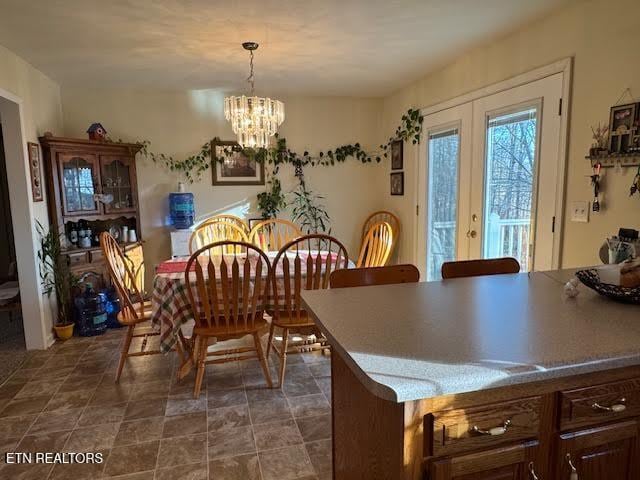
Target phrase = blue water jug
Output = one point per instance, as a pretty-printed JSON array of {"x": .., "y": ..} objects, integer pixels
[
  {"x": 91, "y": 314},
  {"x": 181, "y": 208},
  {"x": 112, "y": 307}
]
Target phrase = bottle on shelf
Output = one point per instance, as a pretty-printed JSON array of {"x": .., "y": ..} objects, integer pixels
[{"x": 73, "y": 234}]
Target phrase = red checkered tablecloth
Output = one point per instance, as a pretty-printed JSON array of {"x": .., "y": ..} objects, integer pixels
[{"x": 171, "y": 309}]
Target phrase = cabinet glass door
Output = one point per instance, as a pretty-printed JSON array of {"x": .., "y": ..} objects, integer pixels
[
  {"x": 118, "y": 183},
  {"x": 79, "y": 180}
]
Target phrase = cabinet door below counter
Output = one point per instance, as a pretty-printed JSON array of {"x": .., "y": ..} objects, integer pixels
[
  {"x": 608, "y": 452},
  {"x": 513, "y": 462}
]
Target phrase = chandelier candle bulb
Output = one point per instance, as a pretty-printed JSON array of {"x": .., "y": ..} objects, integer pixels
[{"x": 253, "y": 119}]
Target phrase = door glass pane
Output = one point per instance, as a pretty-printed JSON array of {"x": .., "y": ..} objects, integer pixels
[
  {"x": 442, "y": 200},
  {"x": 509, "y": 182}
]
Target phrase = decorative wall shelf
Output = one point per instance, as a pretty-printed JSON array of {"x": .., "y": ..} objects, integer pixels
[{"x": 613, "y": 159}]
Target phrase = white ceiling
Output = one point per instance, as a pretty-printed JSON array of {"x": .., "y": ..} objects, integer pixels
[{"x": 311, "y": 47}]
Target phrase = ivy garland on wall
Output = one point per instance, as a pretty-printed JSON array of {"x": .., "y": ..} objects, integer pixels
[{"x": 307, "y": 206}]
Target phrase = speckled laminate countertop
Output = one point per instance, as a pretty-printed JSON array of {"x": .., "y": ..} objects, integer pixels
[{"x": 412, "y": 341}]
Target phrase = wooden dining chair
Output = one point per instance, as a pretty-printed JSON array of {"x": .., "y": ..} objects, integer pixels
[
  {"x": 305, "y": 263},
  {"x": 237, "y": 221},
  {"x": 362, "y": 277},
  {"x": 474, "y": 268},
  {"x": 135, "y": 260},
  {"x": 228, "y": 295},
  {"x": 272, "y": 235},
  {"x": 214, "y": 231},
  {"x": 382, "y": 216},
  {"x": 376, "y": 246},
  {"x": 133, "y": 309}
]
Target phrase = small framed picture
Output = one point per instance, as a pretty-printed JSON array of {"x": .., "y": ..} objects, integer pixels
[
  {"x": 397, "y": 160},
  {"x": 232, "y": 167},
  {"x": 397, "y": 183},
  {"x": 35, "y": 168},
  {"x": 622, "y": 118},
  {"x": 622, "y": 126}
]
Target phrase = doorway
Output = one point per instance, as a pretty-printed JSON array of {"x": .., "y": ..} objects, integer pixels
[
  {"x": 12, "y": 345},
  {"x": 36, "y": 317},
  {"x": 491, "y": 177}
]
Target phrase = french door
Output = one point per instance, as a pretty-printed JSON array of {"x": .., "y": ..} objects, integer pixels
[{"x": 488, "y": 179}]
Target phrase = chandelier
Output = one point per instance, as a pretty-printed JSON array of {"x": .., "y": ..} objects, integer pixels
[{"x": 253, "y": 119}]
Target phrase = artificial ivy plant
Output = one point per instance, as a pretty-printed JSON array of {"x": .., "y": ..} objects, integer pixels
[{"x": 308, "y": 208}]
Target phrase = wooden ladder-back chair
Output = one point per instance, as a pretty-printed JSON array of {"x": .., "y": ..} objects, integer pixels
[
  {"x": 272, "y": 235},
  {"x": 133, "y": 309},
  {"x": 362, "y": 277},
  {"x": 305, "y": 263},
  {"x": 382, "y": 216},
  {"x": 237, "y": 221},
  {"x": 474, "y": 268},
  {"x": 228, "y": 298},
  {"x": 135, "y": 259},
  {"x": 376, "y": 246},
  {"x": 216, "y": 231}
]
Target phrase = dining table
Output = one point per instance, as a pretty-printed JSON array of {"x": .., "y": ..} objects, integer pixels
[{"x": 171, "y": 309}]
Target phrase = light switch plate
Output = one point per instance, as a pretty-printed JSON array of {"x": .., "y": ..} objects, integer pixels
[{"x": 580, "y": 211}]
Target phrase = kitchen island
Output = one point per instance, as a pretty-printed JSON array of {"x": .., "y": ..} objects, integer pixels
[{"x": 499, "y": 377}]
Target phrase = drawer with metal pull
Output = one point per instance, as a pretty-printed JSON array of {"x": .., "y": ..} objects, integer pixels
[
  {"x": 77, "y": 258},
  {"x": 591, "y": 405},
  {"x": 453, "y": 431}
]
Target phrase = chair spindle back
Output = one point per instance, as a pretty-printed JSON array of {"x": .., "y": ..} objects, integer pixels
[
  {"x": 122, "y": 276},
  {"x": 321, "y": 255},
  {"x": 272, "y": 235},
  {"x": 216, "y": 231},
  {"x": 222, "y": 298},
  {"x": 377, "y": 245}
]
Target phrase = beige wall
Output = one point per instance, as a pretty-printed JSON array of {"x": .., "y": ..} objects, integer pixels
[
  {"x": 177, "y": 123},
  {"x": 602, "y": 36},
  {"x": 27, "y": 93}
]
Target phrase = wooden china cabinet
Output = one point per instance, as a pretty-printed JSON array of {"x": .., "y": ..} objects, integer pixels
[{"x": 92, "y": 185}]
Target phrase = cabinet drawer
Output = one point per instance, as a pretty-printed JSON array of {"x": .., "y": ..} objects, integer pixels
[
  {"x": 480, "y": 427},
  {"x": 78, "y": 258},
  {"x": 96, "y": 256},
  {"x": 591, "y": 405}
]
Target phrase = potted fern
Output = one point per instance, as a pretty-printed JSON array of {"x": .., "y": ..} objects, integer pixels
[{"x": 56, "y": 277}]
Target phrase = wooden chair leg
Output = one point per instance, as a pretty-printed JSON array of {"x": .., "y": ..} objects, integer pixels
[
  {"x": 263, "y": 360},
  {"x": 190, "y": 359},
  {"x": 283, "y": 354},
  {"x": 125, "y": 351},
  {"x": 271, "y": 329},
  {"x": 202, "y": 357}
]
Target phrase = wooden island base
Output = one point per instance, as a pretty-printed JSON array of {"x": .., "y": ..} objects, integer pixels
[{"x": 539, "y": 430}]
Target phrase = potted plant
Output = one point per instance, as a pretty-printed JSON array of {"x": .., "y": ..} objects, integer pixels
[{"x": 56, "y": 277}]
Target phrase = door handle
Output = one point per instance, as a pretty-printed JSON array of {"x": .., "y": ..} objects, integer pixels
[
  {"x": 574, "y": 471},
  {"x": 532, "y": 472},
  {"x": 472, "y": 234},
  {"x": 617, "y": 407}
]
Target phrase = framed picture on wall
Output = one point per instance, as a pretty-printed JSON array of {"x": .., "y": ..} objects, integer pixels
[
  {"x": 397, "y": 160},
  {"x": 397, "y": 183},
  {"x": 622, "y": 127},
  {"x": 231, "y": 166},
  {"x": 35, "y": 169}
]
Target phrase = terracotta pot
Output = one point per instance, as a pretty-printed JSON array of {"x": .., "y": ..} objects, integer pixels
[{"x": 64, "y": 331}]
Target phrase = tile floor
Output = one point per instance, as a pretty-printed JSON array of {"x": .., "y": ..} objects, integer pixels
[
  {"x": 149, "y": 427},
  {"x": 12, "y": 349}
]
